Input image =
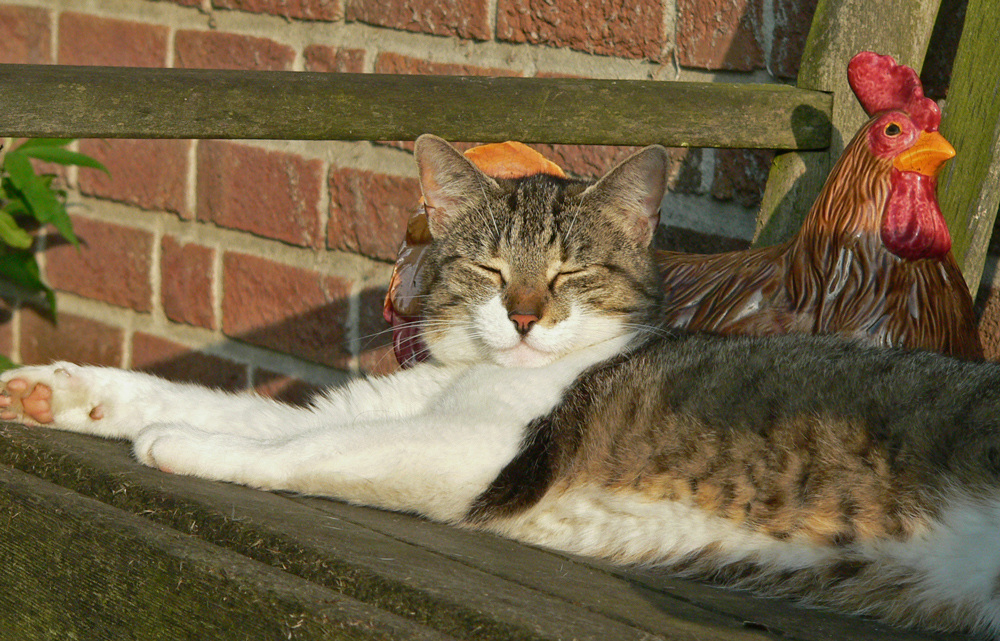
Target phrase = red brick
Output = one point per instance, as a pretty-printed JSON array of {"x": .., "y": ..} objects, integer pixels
[
  {"x": 740, "y": 174},
  {"x": 612, "y": 28},
  {"x": 6, "y": 329},
  {"x": 368, "y": 211},
  {"x": 585, "y": 161},
  {"x": 180, "y": 363},
  {"x": 24, "y": 36},
  {"x": 718, "y": 34},
  {"x": 284, "y": 388},
  {"x": 151, "y": 174},
  {"x": 84, "y": 40},
  {"x": 186, "y": 282},
  {"x": 270, "y": 193},
  {"x": 462, "y": 18},
  {"x": 301, "y": 9},
  {"x": 73, "y": 338},
  {"x": 287, "y": 309},
  {"x": 214, "y": 50},
  {"x": 792, "y": 20},
  {"x": 112, "y": 265},
  {"x": 376, "y": 356},
  {"x": 334, "y": 59},
  {"x": 593, "y": 161},
  {"x": 389, "y": 62}
]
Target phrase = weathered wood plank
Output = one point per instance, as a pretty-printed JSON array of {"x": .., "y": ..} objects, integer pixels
[
  {"x": 840, "y": 29},
  {"x": 75, "y": 568},
  {"x": 969, "y": 188},
  {"x": 364, "y": 564},
  {"x": 640, "y": 596},
  {"x": 106, "y": 102},
  {"x": 462, "y": 583}
]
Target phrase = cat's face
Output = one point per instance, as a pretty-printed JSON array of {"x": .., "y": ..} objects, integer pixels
[{"x": 524, "y": 271}]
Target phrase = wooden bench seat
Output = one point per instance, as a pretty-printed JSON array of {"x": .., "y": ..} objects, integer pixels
[{"x": 92, "y": 541}]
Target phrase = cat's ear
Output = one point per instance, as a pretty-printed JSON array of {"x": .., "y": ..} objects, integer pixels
[
  {"x": 633, "y": 191},
  {"x": 449, "y": 181}
]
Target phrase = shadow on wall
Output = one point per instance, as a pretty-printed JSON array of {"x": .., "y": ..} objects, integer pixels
[{"x": 320, "y": 335}]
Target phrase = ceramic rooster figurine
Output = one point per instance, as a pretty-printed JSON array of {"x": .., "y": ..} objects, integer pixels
[{"x": 871, "y": 262}]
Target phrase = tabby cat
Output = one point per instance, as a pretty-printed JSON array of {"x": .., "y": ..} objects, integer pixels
[{"x": 555, "y": 412}]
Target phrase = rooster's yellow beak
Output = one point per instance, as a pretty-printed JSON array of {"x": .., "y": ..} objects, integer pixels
[{"x": 926, "y": 155}]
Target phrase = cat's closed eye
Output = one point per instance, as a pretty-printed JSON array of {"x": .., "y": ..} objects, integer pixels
[
  {"x": 566, "y": 275},
  {"x": 494, "y": 273}
]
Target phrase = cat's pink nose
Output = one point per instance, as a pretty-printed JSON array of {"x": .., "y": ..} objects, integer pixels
[{"x": 523, "y": 322}]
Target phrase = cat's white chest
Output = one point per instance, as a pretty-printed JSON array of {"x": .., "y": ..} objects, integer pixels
[
  {"x": 504, "y": 395},
  {"x": 516, "y": 395}
]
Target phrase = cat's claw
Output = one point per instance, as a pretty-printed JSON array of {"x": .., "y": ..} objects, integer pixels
[{"x": 48, "y": 394}]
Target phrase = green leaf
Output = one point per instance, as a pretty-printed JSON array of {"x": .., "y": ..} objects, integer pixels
[
  {"x": 64, "y": 226},
  {"x": 15, "y": 205},
  {"x": 41, "y": 200},
  {"x": 61, "y": 156},
  {"x": 43, "y": 142},
  {"x": 21, "y": 269},
  {"x": 6, "y": 363},
  {"x": 12, "y": 234}
]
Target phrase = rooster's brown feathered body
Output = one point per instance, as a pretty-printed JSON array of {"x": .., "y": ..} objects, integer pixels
[{"x": 836, "y": 276}]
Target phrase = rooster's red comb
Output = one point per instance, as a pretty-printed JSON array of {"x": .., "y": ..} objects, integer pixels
[{"x": 881, "y": 85}]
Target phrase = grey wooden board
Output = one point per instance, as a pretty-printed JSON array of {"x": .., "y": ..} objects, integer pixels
[
  {"x": 840, "y": 29},
  {"x": 117, "y": 102},
  {"x": 462, "y": 583},
  {"x": 641, "y": 591},
  {"x": 970, "y": 184},
  {"x": 74, "y": 567}
]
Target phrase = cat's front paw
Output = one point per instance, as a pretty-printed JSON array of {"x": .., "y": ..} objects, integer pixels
[
  {"x": 56, "y": 394},
  {"x": 177, "y": 448},
  {"x": 160, "y": 445}
]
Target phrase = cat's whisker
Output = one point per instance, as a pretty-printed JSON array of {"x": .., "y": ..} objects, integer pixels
[
  {"x": 572, "y": 222},
  {"x": 655, "y": 330},
  {"x": 375, "y": 335}
]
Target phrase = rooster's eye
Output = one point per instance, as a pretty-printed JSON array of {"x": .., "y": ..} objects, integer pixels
[{"x": 892, "y": 129}]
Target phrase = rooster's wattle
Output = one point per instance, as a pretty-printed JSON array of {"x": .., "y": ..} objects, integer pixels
[{"x": 871, "y": 261}]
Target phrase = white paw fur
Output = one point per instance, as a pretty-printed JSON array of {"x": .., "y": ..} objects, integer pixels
[{"x": 76, "y": 404}]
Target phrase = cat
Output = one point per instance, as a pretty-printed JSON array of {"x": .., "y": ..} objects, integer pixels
[{"x": 556, "y": 412}]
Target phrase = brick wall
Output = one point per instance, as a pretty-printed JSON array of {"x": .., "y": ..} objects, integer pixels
[{"x": 263, "y": 263}]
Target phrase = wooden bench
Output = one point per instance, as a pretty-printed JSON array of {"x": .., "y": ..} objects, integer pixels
[{"x": 95, "y": 545}]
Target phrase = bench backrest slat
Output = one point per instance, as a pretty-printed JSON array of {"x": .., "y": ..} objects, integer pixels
[{"x": 106, "y": 102}]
